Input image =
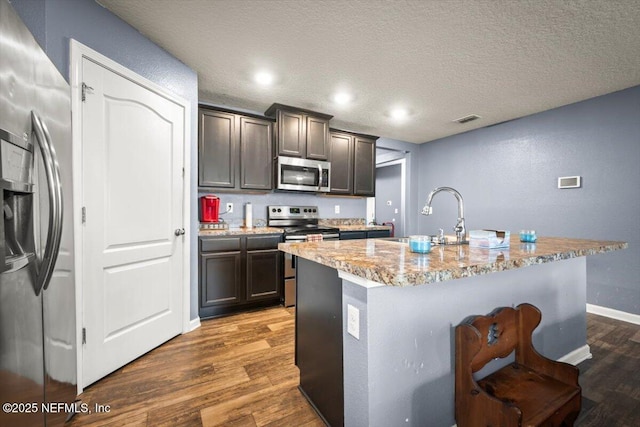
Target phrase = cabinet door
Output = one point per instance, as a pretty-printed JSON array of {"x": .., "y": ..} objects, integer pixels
[
  {"x": 220, "y": 279},
  {"x": 364, "y": 173},
  {"x": 256, "y": 154},
  {"x": 264, "y": 274},
  {"x": 217, "y": 146},
  {"x": 291, "y": 135},
  {"x": 378, "y": 233},
  {"x": 350, "y": 235},
  {"x": 317, "y": 138},
  {"x": 341, "y": 163}
]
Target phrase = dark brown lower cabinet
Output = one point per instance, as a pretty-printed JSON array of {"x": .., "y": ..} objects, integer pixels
[
  {"x": 239, "y": 273},
  {"x": 221, "y": 279},
  {"x": 371, "y": 234}
]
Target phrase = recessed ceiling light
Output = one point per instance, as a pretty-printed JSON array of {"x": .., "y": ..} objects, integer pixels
[
  {"x": 263, "y": 78},
  {"x": 342, "y": 98},
  {"x": 399, "y": 113}
]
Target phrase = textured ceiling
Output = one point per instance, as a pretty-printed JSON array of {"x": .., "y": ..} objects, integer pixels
[{"x": 441, "y": 60}]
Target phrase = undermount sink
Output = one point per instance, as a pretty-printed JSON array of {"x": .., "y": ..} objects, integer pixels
[
  {"x": 434, "y": 240},
  {"x": 394, "y": 239}
]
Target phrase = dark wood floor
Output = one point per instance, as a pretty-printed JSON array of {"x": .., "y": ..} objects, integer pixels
[
  {"x": 611, "y": 379},
  {"x": 238, "y": 371}
]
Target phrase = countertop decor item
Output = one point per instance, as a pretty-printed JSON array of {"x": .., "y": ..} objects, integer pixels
[
  {"x": 420, "y": 244},
  {"x": 528, "y": 236},
  {"x": 491, "y": 239}
]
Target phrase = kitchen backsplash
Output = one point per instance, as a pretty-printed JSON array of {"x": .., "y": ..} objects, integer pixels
[
  {"x": 335, "y": 222},
  {"x": 351, "y": 209}
]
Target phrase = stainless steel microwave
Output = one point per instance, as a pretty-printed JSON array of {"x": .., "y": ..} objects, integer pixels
[{"x": 303, "y": 174}]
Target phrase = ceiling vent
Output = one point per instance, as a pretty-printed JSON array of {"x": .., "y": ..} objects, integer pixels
[{"x": 466, "y": 119}]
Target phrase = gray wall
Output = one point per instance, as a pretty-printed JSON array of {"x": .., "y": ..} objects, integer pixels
[
  {"x": 53, "y": 23},
  {"x": 508, "y": 173}
]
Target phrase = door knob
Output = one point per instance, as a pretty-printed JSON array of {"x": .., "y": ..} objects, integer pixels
[{"x": 179, "y": 231}]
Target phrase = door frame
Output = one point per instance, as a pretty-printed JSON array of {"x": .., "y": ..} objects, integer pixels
[
  {"x": 403, "y": 190},
  {"x": 77, "y": 52}
]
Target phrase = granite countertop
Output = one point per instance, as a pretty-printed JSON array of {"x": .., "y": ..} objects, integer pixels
[
  {"x": 393, "y": 264},
  {"x": 362, "y": 227},
  {"x": 239, "y": 231}
]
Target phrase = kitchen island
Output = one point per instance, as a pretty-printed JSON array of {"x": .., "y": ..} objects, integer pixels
[{"x": 396, "y": 368}]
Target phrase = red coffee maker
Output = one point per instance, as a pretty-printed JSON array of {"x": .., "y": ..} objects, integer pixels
[{"x": 209, "y": 208}]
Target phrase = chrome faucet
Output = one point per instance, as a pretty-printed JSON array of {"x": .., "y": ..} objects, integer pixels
[{"x": 461, "y": 232}]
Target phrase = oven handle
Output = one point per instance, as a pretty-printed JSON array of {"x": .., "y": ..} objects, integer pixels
[{"x": 295, "y": 239}]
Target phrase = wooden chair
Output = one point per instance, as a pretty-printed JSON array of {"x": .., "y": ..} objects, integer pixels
[{"x": 532, "y": 391}]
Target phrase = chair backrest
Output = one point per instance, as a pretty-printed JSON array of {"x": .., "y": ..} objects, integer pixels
[{"x": 498, "y": 333}]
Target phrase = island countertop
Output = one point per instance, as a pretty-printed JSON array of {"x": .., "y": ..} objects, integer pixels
[{"x": 393, "y": 264}]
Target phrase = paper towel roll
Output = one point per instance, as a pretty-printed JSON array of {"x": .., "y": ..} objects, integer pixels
[{"x": 248, "y": 215}]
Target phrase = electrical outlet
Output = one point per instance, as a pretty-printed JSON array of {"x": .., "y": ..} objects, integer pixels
[
  {"x": 353, "y": 321},
  {"x": 229, "y": 207},
  {"x": 336, "y": 208}
]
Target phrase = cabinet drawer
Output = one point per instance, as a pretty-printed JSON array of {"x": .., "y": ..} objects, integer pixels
[
  {"x": 219, "y": 244},
  {"x": 263, "y": 242}
]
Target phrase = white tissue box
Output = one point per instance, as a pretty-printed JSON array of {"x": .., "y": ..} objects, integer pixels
[{"x": 490, "y": 239}]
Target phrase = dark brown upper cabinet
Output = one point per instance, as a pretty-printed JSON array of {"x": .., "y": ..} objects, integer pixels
[
  {"x": 256, "y": 153},
  {"x": 353, "y": 164},
  {"x": 341, "y": 163},
  {"x": 364, "y": 168},
  {"x": 217, "y": 149},
  {"x": 300, "y": 133},
  {"x": 235, "y": 151}
]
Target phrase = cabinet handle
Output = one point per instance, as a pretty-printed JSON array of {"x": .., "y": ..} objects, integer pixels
[{"x": 179, "y": 232}]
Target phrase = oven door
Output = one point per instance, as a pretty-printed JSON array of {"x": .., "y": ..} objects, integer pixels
[
  {"x": 290, "y": 267},
  {"x": 289, "y": 280},
  {"x": 303, "y": 174}
]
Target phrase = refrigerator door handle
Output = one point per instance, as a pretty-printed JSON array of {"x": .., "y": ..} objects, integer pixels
[{"x": 54, "y": 232}]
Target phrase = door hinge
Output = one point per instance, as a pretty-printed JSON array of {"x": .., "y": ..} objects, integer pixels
[
  {"x": 84, "y": 335},
  {"x": 86, "y": 89},
  {"x": 84, "y": 214}
]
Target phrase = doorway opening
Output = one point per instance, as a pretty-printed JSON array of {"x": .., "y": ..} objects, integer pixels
[{"x": 389, "y": 205}]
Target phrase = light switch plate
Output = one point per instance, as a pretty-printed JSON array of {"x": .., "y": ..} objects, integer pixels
[
  {"x": 229, "y": 207},
  {"x": 336, "y": 208},
  {"x": 353, "y": 321}
]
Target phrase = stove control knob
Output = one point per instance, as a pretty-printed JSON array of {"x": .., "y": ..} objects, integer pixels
[
  {"x": 279, "y": 210},
  {"x": 314, "y": 210},
  {"x": 273, "y": 209}
]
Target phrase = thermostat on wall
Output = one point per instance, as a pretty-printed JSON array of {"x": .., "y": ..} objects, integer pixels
[{"x": 569, "y": 182}]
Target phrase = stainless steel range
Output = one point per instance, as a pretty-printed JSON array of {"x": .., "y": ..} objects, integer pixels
[{"x": 298, "y": 222}]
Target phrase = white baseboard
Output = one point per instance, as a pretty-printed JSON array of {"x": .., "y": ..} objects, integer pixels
[
  {"x": 614, "y": 314},
  {"x": 578, "y": 355},
  {"x": 194, "y": 324}
]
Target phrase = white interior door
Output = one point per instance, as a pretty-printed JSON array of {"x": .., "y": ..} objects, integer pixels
[{"x": 132, "y": 172}]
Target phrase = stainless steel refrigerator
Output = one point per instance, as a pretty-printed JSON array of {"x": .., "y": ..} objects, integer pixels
[{"x": 37, "y": 293}]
